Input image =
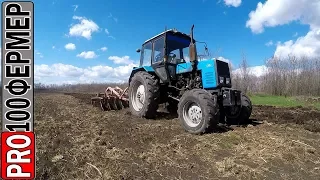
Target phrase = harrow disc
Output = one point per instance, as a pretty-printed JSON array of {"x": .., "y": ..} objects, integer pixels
[{"x": 111, "y": 99}]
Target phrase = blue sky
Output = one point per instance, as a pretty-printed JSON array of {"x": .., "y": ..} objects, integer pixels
[{"x": 73, "y": 45}]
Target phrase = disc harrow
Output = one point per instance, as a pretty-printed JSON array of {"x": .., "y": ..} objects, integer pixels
[{"x": 112, "y": 99}]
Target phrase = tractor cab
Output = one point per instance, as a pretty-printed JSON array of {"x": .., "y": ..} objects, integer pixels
[{"x": 164, "y": 51}]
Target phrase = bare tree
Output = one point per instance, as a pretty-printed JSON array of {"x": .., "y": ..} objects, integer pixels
[
  {"x": 291, "y": 76},
  {"x": 245, "y": 80}
]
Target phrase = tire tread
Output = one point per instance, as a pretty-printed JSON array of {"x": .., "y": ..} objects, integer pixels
[
  {"x": 210, "y": 111},
  {"x": 152, "y": 94}
]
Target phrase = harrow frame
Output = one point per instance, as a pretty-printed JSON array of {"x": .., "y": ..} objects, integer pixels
[{"x": 112, "y": 99}]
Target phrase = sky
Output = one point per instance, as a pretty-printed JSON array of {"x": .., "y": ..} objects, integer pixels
[{"x": 81, "y": 41}]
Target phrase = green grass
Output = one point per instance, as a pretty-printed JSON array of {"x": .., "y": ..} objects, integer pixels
[
  {"x": 317, "y": 105},
  {"x": 281, "y": 101}
]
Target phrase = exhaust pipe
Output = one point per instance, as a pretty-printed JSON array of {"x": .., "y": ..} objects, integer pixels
[{"x": 193, "y": 51}]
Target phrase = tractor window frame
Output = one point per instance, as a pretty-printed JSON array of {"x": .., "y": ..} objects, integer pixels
[
  {"x": 143, "y": 61},
  {"x": 153, "y": 48}
]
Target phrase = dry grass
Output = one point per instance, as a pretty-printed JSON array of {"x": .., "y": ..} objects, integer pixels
[{"x": 77, "y": 141}]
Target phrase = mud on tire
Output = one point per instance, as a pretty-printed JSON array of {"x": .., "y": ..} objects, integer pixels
[
  {"x": 198, "y": 99},
  {"x": 151, "y": 96}
]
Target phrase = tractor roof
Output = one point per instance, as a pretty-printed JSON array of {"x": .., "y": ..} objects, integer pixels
[{"x": 174, "y": 31}]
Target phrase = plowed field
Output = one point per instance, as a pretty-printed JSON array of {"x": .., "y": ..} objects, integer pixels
[{"x": 78, "y": 141}]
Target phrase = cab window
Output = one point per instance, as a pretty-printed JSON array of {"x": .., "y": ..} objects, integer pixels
[
  {"x": 158, "y": 47},
  {"x": 178, "y": 49},
  {"x": 146, "y": 54}
]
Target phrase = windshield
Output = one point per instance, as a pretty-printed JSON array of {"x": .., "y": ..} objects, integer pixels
[{"x": 178, "y": 48}]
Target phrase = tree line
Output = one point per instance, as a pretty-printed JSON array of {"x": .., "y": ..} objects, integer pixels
[{"x": 288, "y": 76}]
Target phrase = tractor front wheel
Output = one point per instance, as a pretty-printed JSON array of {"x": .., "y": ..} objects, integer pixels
[
  {"x": 198, "y": 111},
  {"x": 144, "y": 95}
]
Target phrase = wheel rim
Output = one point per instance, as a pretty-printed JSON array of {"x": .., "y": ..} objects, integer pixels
[
  {"x": 192, "y": 114},
  {"x": 138, "y": 96}
]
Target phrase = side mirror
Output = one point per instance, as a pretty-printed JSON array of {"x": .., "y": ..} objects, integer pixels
[{"x": 138, "y": 50}]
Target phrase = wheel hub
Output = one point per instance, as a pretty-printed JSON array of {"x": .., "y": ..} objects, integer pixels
[
  {"x": 192, "y": 115},
  {"x": 138, "y": 97}
]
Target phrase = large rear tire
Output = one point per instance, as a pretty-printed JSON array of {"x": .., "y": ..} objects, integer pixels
[
  {"x": 245, "y": 112},
  {"x": 198, "y": 111},
  {"x": 144, "y": 95}
]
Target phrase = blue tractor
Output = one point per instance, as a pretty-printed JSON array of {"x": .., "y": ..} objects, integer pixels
[{"x": 200, "y": 91}]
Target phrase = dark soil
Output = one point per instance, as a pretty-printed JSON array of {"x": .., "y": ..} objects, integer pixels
[
  {"x": 306, "y": 117},
  {"x": 78, "y": 141}
]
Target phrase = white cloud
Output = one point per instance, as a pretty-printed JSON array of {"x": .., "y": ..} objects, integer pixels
[
  {"x": 60, "y": 70},
  {"x": 234, "y": 3},
  {"x": 107, "y": 31},
  {"x": 279, "y": 12},
  {"x": 269, "y": 43},
  {"x": 254, "y": 71},
  {"x": 308, "y": 45},
  {"x": 274, "y": 13},
  {"x": 75, "y": 7},
  {"x": 84, "y": 29},
  {"x": 87, "y": 55},
  {"x": 50, "y": 74},
  {"x": 112, "y": 37},
  {"x": 70, "y": 46},
  {"x": 114, "y": 18},
  {"x": 103, "y": 48},
  {"x": 39, "y": 53},
  {"x": 121, "y": 60}
]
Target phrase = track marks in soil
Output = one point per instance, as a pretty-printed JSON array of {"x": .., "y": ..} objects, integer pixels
[
  {"x": 307, "y": 118},
  {"x": 119, "y": 146}
]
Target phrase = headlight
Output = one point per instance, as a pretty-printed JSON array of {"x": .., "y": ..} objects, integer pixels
[
  {"x": 227, "y": 80},
  {"x": 221, "y": 80}
]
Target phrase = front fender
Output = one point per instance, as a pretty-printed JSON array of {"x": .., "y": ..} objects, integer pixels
[{"x": 148, "y": 69}]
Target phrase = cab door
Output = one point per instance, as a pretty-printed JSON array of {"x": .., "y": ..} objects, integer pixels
[
  {"x": 158, "y": 59},
  {"x": 146, "y": 54}
]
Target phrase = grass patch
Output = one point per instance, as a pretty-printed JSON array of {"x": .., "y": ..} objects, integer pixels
[
  {"x": 281, "y": 101},
  {"x": 317, "y": 105},
  {"x": 263, "y": 99}
]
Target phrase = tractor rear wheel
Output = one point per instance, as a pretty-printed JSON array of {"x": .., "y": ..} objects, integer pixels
[
  {"x": 245, "y": 112},
  {"x": 144, "y": 95},
  {"x": 198, "y": 111}
]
